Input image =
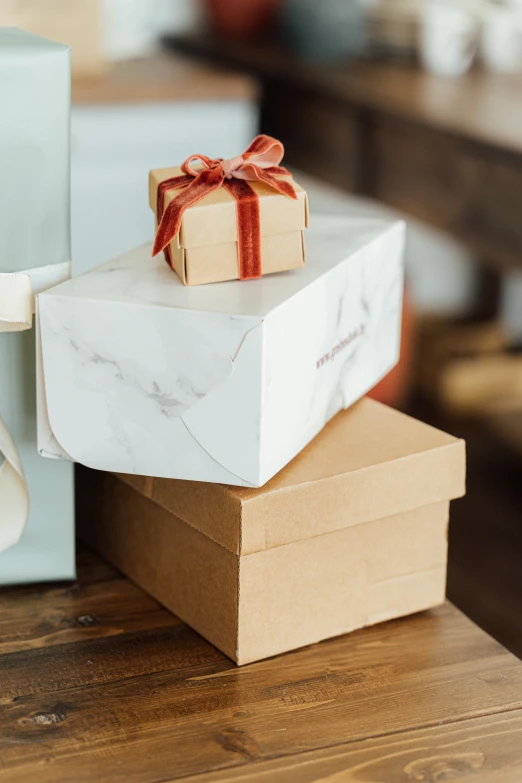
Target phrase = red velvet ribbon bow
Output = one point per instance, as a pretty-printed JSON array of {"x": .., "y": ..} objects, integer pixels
[{"x": 260, "y": 163}]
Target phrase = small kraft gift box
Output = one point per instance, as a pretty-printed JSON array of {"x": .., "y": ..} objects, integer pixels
[
  {"x": 36, "y": 496},
  {"x": 351, "y": 533},
  {"x": 223, "y": 383},
  {"x": 230, "y": 219}
]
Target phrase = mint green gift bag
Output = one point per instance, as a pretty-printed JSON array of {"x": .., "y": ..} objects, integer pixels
[{"x": 36, "y": 495}]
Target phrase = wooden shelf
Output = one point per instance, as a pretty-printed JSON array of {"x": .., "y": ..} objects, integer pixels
[
  {"x": 162, "y": 79},
  {"x": 446, "y": 151},
  {"x": 479, "y": 106}
]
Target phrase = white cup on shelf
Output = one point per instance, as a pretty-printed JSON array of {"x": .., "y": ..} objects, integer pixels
[
  {"x": 501, "y": 47},
  {"x": 449, "y": 38}
]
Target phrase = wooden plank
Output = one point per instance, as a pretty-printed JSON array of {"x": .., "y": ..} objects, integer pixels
[
  {"x": 483, "y": 750},
  {"x": 144, "y": 699},
  {"x": 149, "y": 643},
  {"x": 179, "y": 745},
  {"x": 101, "y": 604},
  {"x": 356, "y": 687}
]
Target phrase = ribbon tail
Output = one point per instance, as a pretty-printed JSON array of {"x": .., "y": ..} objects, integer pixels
[
  {"x": 14, "y": 506},
  {"x": 18, "y": 291},
  {"x": 16, "y": 302},
  {"x": 206, "y": 182},
  {"x": 16, "y": 315},
  {"x": 17, "y": 296},
  {"x": 279, "y": 171},
  {"x": 248, "y": 228}
]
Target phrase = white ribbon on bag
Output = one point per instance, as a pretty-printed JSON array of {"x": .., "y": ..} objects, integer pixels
[
  {"x": 16, "y": 302},
  {"x": 14, "y": 495},
  {"x": 17, "y": 293}
]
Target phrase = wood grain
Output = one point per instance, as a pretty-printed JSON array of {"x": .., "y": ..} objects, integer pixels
[
  {"x": 99, "y": 683},
  {"x": 31, "y": 619},
  {"x": 476, "y": 750}
]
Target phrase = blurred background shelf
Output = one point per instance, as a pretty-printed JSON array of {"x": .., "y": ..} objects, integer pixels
[
  {"x": 480, "y": 106},
  {"x": 447, "y": 151},
  {"x": 162, "y": 78}
]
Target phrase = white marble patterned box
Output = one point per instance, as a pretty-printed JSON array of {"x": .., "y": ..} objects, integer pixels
[{"x": 222, "y": 383}]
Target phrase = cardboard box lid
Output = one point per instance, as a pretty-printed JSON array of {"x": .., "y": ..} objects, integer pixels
[
  {"x": 368, "y": 463},
  {"x": 213, "y": 220}
]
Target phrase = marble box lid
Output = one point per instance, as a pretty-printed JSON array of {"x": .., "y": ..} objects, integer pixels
[{"x": 222, "y": 383}]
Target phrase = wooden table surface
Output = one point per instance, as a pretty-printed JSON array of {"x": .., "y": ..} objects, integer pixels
[{"x": 99, "y": 683}]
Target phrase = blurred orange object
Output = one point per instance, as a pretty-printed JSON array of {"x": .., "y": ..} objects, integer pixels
[
  {"x": 393, "y": 389},
  {"x": 242, "y": 18}
]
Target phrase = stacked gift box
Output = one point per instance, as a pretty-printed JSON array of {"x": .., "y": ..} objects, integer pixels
[
  {"x": 351, "y": 533},
  {"x": 237, "y": 473}
]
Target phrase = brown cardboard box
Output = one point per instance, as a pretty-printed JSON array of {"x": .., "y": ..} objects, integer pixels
[
  {"x": 352, "y": 532},
  {"x": 76, "y": 23},
  {"x": 205, "y": 251}
]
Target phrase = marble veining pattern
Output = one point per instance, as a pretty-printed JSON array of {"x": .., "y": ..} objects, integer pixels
[
  {"x": 219, "y": 383},
  {"x": 356, "y": 316}
]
